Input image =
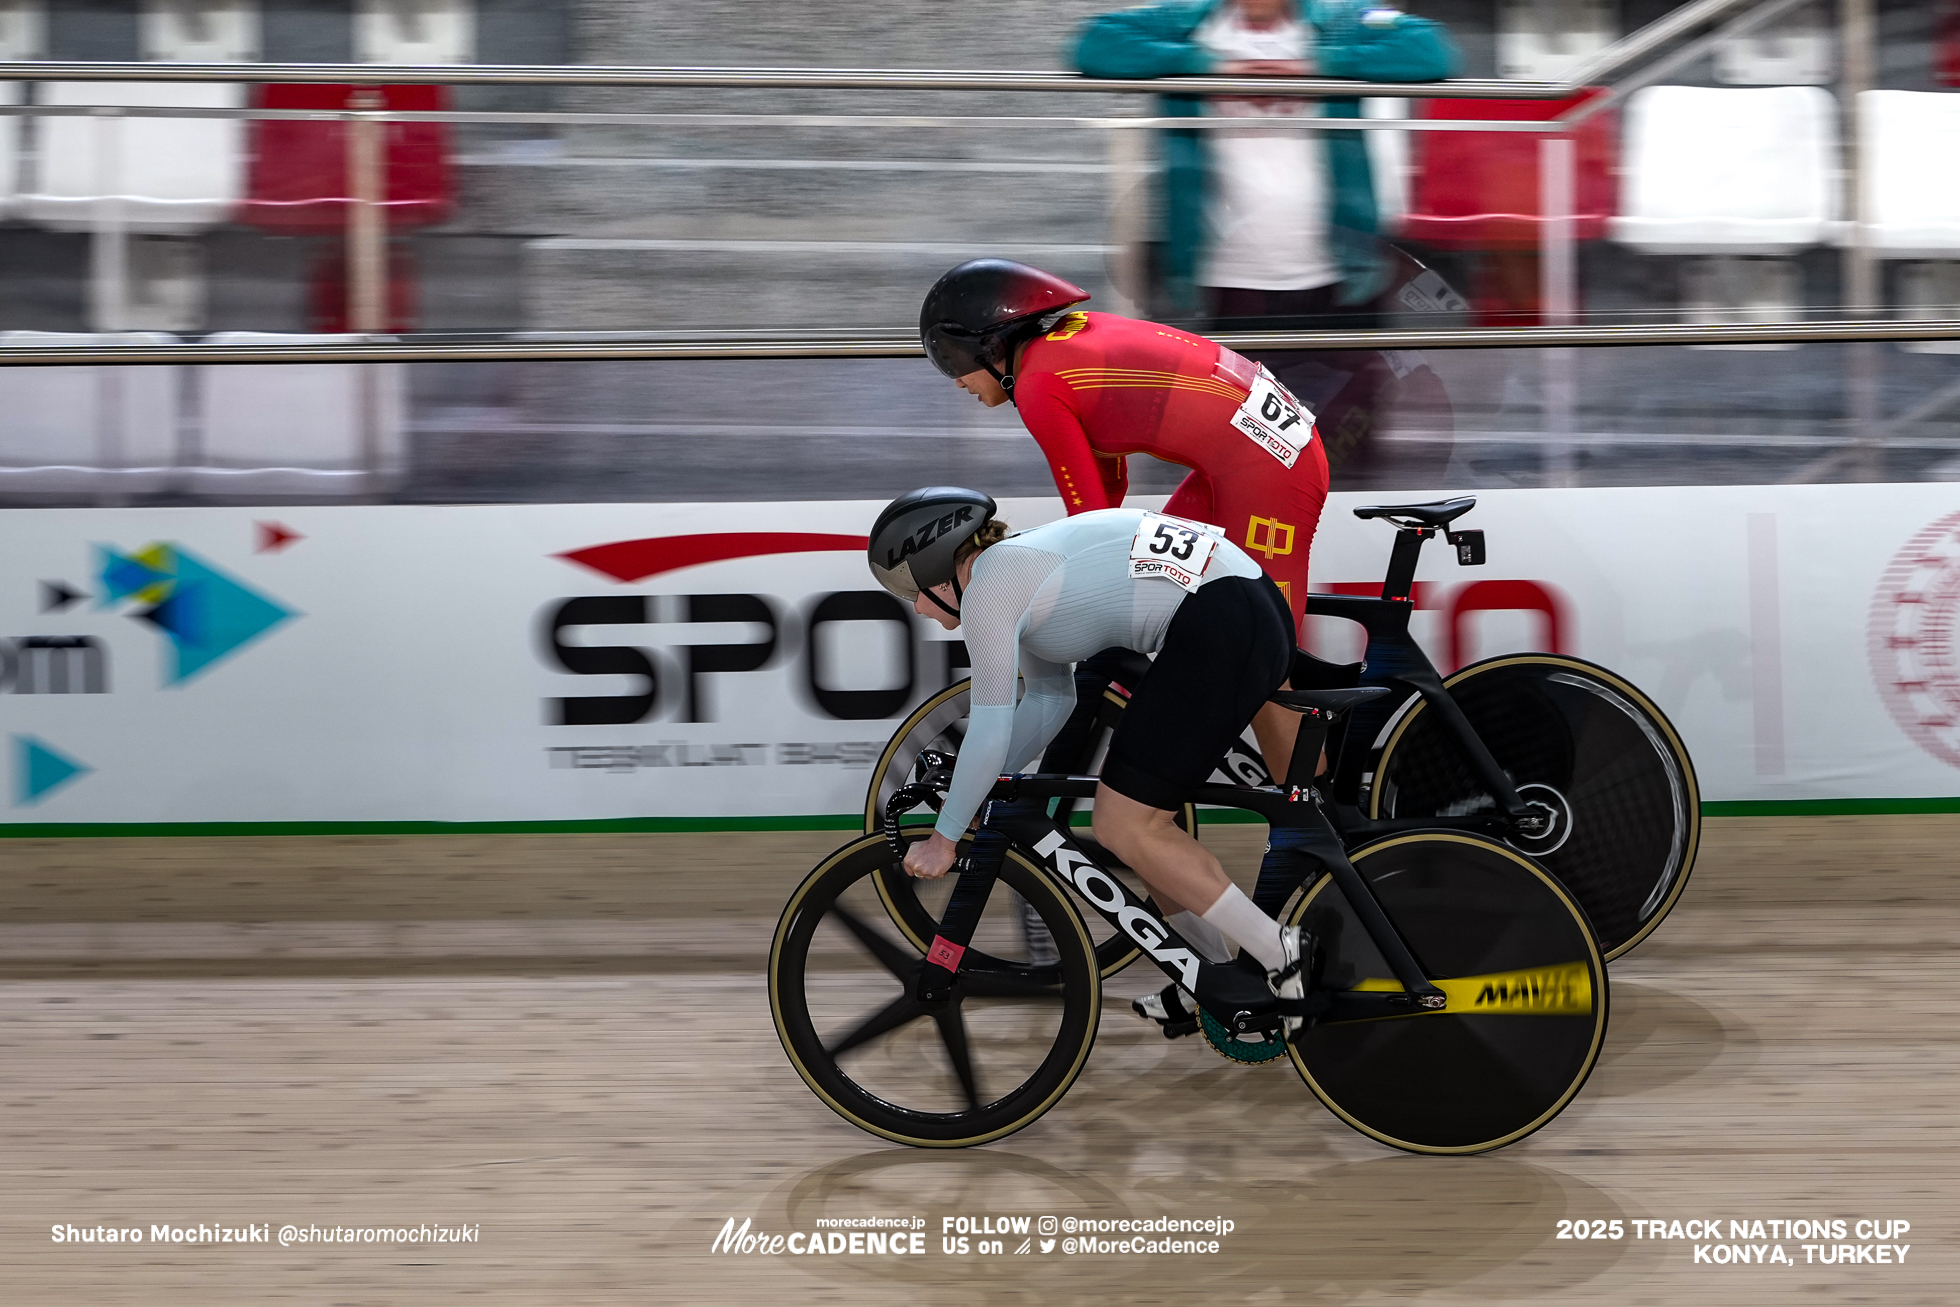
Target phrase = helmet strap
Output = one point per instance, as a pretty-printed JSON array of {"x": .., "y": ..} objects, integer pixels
[
  {"x": 945, "y": 607},
  {"x": 1006, "y": 381}
]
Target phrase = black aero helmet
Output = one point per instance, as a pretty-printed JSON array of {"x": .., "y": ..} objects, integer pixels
[
  {"x": 974, "y": 313},
  {"x": 914, "y": 541}
]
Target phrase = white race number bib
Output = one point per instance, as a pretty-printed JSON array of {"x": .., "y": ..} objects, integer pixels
[
  {"x": 1174, "y": 548},
  {"x": 1276, "y": 422}
]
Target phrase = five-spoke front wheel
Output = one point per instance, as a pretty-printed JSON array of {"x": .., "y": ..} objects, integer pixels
[{"x": 991, "y": 1056}]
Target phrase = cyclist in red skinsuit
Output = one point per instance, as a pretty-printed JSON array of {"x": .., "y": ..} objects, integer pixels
[
  {"x": 1097, "y": 387},
  {"x": 1093, "y": 388}
]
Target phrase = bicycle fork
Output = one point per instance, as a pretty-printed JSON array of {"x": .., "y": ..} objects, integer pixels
[{"x": 978, "y": 871}]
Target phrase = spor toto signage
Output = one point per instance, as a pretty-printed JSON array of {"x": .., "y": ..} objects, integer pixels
[
  {"x": 636, "y": 561},
  {"x": 580, "y": 662}
]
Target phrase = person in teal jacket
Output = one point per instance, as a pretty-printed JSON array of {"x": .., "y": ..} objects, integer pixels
[{"x": 1358, "y": 39}]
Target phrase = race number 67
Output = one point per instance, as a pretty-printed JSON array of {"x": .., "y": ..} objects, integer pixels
[{"x": 1274, "y": 406}]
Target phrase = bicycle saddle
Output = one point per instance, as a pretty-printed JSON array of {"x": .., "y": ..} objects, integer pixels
[
  {"x": 1311, "y": 673},
  {"x": 1433, "y": 515},
  {"x": 1331, "y": 703}
]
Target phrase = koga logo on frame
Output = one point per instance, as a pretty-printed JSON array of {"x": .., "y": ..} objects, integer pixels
[{"x": 1097, "y": 886}]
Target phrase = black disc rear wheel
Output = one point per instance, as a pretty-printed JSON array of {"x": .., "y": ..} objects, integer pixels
[
  {"x": 982, "y": 1063},
  {"x": 1587, "y": 748},
  {"x": 1526, "y": 987}
]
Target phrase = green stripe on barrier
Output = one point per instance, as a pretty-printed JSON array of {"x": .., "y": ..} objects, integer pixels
[
  {"x": 607, "y": 826},
  {"x": 1827, "y": 807},
  {"x": 845, "y": 821}
]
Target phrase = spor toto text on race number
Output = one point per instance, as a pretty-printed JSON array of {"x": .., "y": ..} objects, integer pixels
[{"x": 1174, "y": 548}]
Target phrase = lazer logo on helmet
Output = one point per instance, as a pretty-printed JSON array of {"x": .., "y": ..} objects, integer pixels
[
  {"x": 1097, "y": 886},
  {"x": 928, "y": 533}
]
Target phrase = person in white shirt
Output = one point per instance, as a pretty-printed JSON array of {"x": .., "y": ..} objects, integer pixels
[
  {"x": 1266, "y": 251},
  {"x": 1266, "y": 222}
]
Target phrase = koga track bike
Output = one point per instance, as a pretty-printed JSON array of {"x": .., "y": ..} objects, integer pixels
[
  {"x": 1558, "y": 757},
  {"x": 1458, "y": 1004}
]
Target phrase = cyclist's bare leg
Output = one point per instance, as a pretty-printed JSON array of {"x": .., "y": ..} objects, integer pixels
[
  {"x": 1182, "y": 873},
  {"x": 1276, "y": 729}
]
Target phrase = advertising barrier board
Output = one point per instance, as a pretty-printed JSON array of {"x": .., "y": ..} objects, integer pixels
[{"x": 648, "y": 663}]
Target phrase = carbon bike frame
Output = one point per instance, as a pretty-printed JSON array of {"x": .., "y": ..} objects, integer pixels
[
  {"x": 1392, "y": 659},
  {"x": 1016, "y": 815}
]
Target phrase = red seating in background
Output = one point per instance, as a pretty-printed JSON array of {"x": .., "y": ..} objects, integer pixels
[
  {"x": 297, "y": 183},
  {"x": 1480, "y": 191},
  {"x": 1946, "y": 46}
]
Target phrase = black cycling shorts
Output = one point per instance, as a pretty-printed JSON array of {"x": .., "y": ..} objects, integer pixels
[{"x": 1229, "y": 646}]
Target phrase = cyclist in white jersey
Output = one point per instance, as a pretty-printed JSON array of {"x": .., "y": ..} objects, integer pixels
[{"x": 1034, "y": 603}]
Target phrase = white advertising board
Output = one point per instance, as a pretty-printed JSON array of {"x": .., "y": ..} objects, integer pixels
[{"x": 578, "y": 663}]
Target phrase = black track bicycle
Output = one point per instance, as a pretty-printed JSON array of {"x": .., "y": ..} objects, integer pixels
[
  {"x": 1559, "y": 758},
  {"x": 1459, "y": 1002}
]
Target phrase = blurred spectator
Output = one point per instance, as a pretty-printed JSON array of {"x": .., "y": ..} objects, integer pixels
[
  {"x": 1275, "y": 228},
  {"x": 1262, "y": 223}
]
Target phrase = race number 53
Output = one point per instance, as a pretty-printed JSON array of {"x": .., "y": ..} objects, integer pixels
[
  {"x": 1175, "y": 541},
  {"x": 1172, "y": 548}
]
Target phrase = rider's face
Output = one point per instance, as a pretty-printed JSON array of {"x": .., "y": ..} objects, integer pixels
[
  {"x": 983, "y": 386},
  {"x": 925, "y": 607}
]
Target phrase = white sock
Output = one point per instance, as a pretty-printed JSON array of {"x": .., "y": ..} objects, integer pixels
[
  {"x": 1248, "y": 927},
  {"x": 1202, "y": 936}
]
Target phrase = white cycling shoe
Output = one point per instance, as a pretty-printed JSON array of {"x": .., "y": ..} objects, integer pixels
[
  {"x": 1173, "y": 1008},
  {"x": 1294, "y": 974}
]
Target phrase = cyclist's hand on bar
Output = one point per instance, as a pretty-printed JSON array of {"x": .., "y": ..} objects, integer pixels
[{"x": 931, "y": 858}]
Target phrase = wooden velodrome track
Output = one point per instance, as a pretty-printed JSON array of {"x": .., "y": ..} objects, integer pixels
[{"x": 565, "y": 1041}]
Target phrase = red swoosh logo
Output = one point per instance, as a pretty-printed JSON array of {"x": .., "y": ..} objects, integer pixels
[{"x": 636, "y": 560}]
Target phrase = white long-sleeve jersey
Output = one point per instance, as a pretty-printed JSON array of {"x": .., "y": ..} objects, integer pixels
[{"x": 1039, "y": 602}]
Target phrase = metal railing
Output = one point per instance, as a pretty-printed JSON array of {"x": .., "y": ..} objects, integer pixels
[
  {"x": 1700, "y": 25},
  {"x": 1623, "y": 53},
  {"x": 583, "y": 347},
  {"x": 1656, "y": 50},
  {"x": 1642, "y": 58},
  {"x": 366, "y": 231},
  {"x": 760, "y": 79}
]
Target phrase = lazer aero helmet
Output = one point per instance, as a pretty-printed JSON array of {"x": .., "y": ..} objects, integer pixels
[
  {"x": 915, "y": 539},
  {"x": 975, "y": 315}
]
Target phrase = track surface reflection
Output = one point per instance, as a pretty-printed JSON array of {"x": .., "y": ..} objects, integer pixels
[{"x": 567, "y": 1043}]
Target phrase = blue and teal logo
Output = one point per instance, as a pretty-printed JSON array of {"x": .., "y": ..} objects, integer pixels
[
  {"x": 207, "y": 614},
  {"x": 40, "y": 769}
]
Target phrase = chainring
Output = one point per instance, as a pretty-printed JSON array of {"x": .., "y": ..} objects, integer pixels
[{"x": 1228, "y": 1045}]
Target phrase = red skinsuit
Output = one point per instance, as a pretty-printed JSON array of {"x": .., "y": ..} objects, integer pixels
[{"x": 1098, "y": 387}]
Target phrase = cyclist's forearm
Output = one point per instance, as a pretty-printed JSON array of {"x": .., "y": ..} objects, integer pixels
[{"x": 982, "y": 755}]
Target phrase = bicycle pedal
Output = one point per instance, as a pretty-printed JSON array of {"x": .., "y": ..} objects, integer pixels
[{"x": 1179, "y": 1029}]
